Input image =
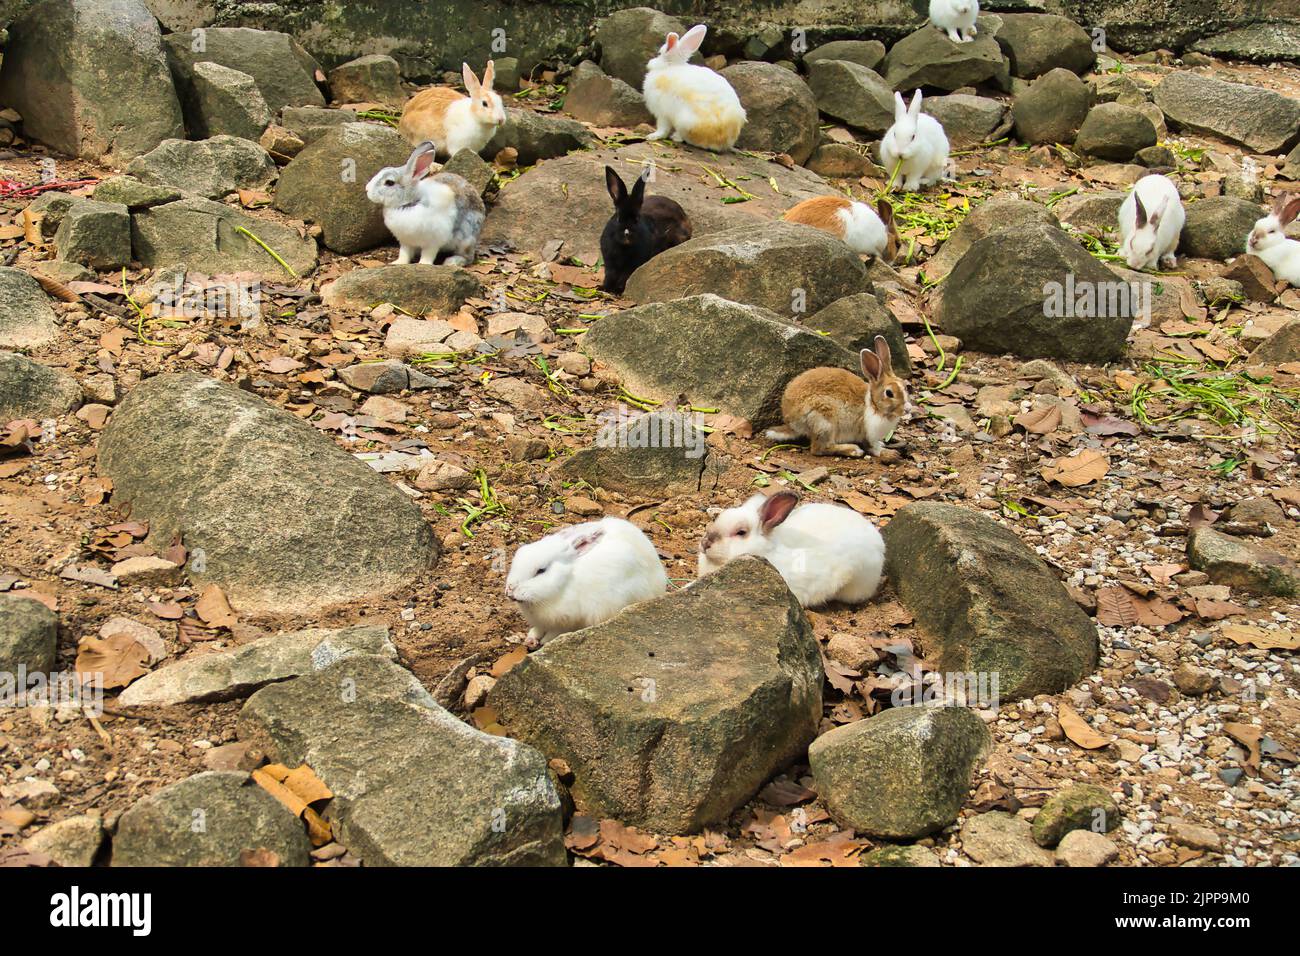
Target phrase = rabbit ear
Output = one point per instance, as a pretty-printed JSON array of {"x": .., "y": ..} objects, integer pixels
[
  {"x": 670, "y": 42},
  {"x": 489, "y": 74},
  {"x": 882, "y": 353},
  {"x": 777, "y": 508},
  {"x": 871, "y": 367},
  {"x": 900, "y": 108},
  {"x": 638, "y": 192},
  {"x": 583, "y": 541},
  {"x": 421, "y": 162},
  {"x": 1158, "y": 213},
  {"x": 471, "y": 81},
  {"x": 915, "y": 109},
  {"x": 1141, "y": 210},
  {"x": 692, "y": 38},
  {"x": 617, "y": 190},
  {"x": 886, "y": 212},
  {"x": 1290, "y": 210}
]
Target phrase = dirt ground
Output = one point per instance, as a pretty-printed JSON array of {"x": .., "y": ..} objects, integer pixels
[{"x": 1126, "y": 528}]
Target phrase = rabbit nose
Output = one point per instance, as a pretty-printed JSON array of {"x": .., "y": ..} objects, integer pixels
[{"x": 510, "y": 591}]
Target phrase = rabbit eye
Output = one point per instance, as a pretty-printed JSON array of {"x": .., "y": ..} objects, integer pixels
[
  {"x": 390, "y": 182},
  {"x": 741, "y": 532},
  {"x": 889, "y": 393},
  {"x": 539, "y": 572}
]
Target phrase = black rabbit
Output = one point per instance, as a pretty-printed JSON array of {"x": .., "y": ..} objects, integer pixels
[{"x": 638, "y": 231}]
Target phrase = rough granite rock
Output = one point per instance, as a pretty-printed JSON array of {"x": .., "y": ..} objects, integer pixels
[
  {"x": 741, "y": 366},
  {"x": 657, "y": 454},
  {"x": 31, "y": 390},
  {"x": 208, "y": 820},
  {"x": 675, "y": 712},
  {"x": 28, "y": 636},
  {"x": 26, "y": 316},
  {"x": 1080, "y": 807},
  {"x": 285, "y": 520},
  {"x": 434, "y": 290},
  {"x": 985, "y": 602},
  {"x": 918, "y": 761},
  {"x": 228, "y": 675},
  {"x": 1232, "y": 561},
  {"x": 413, "y": 785},
  {"x": 997, "y": 838},
  {"x": 1260, "y": 119},
  {"x": 57, "y": 59},
  {"x": 787, "y": 267}
]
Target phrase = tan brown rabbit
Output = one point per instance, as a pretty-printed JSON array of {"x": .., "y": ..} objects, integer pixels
[
  {"x": 451, "y": 121},
  {"x": 838, "y": 412}
]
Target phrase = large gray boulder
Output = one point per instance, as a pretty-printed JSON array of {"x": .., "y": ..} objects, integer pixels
[
  {"x": 536, "y": 136},
  {"x": 211, "y": 168},
  {"x": 374, "y": 78},
  {"x": 26, "y": 316},
  {"x": 229, "y": 675},
  {"x": 1037, "y": 42},
  {"x": 1115, "y": 131},
  {"x": 285, "y": 521},
  {"x": 927, "y": 58},
  {"x": 655, "y": 455},
  {"x": 787, "y": 267},
  {"x": 602, "y": 100},
  {"x": 718, "y": 353},
  {"x": 326, "y": 184},
  {"x": 1216, "y": 228},
  {"x": 438, "y": 291},
  {"x": 413, "y": 786},
  {"x": 967, "y": 120},
  {"x": 1052, "y": 109},
  {"x": 90, "y": 79},
  {"x": 1033, "y": 291},
  {"x": 1240, "y": 564},
  {"x": 281, "y": 68},
  {"x": 1261, "y": 119},
  {"x": 209, "y": 819},
  {"x": 28, "y": 636},
  {"x": 201, "y": 234},
  {"x": 902, "y": 774},
  {"x": 31, "y": 390},
  {"x": 854, "y": 322},
  {"x": 629, "y": 38},
  {"x": 95, "y": 234},
  {"x": 868, "y": 53},
  {"x": 852, "y": 93},
  {"x": 221, "y": 101},
  {"x": 986, "y": 604},
  {"x": 678, "y": 710},
  {"x": 993, "y": 215},
  {"x": 781, "y": 111}
]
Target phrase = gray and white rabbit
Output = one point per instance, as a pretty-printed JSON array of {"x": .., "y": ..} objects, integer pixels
[{"x": 429, "y": 214}]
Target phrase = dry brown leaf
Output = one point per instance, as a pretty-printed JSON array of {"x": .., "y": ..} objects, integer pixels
[
  {"x": 1259, "y": 637},
  {"x": 119, "y": 659},
  {"x": 1040, "y": 421},
  {"x": 1087, "y": 466},
  {"x": 1115, "y": 607},
  {"x": 1080, "y": 731},
  {"x": 508, "y": 661},
  {"x": 213, "y": 608}
]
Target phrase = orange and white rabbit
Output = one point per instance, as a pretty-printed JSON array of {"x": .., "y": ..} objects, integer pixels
[
  {"x": 452, "y": 122},
  {"x": 691, "y": 103},
  {"x": 863, "y": 229}
]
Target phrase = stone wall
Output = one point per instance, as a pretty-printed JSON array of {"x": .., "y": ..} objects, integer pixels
[{"x": 429, "y": 36}]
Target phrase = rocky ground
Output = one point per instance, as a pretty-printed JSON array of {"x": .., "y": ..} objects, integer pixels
[{"x": 280, "y": 527}]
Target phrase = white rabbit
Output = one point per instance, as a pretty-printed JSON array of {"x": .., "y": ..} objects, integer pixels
[
  {"x": 1150, "y": 223},
  {"x": 824, "y": 552},
  {"x": 583, "y": 575},
  {"x": 691, "y": 103},
  {"x": 917, "y": 140},
  {"x": 1268, "y": 240},
  {"x": 955, "y": 18},
  {"x": 429, "y": 214}
]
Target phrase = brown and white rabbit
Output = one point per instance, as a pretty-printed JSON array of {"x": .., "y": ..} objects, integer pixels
[
  {"x": 691, "y": 103},
  {"x": 837, "y": 411},
  {"x": 866, "y": 231},
  {"x": 442, "y": 116}
]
